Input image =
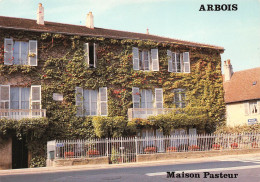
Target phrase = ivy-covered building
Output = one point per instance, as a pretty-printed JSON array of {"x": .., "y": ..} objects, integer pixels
[{"x": 61, "y": 80}]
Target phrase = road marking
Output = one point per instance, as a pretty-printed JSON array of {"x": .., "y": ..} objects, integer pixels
[
  {"x": 238, "y": 160},
  {"x": 206, "y": 170},
  {"x": 252, "y": 161}
]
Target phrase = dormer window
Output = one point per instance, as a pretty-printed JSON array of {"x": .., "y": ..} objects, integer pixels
[{"x": 90, "y": 54}]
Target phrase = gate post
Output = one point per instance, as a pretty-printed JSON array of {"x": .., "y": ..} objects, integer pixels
[
  {"x": 107, "y": 146},
  {"x": 136, "y": 146}
]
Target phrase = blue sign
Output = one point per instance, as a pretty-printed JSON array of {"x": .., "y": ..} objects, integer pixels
[
  {"x": 59, "y": 144},
  {"x": 252, "y": 121}
]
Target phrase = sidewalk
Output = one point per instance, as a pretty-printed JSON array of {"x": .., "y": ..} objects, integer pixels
[{"x": 126, "y": 165}]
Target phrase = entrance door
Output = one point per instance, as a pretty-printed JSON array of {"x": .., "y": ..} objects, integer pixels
[{"x": 19, "y": 154}]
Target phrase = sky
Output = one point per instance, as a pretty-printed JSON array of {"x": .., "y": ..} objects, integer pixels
[{"x": 237, "y": 31}]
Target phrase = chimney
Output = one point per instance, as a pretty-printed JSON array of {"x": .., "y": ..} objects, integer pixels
[
  {"x": 228, "y": 70},
  {"x": 90, "y": 20},
  {"x": 40, "y": 15}
]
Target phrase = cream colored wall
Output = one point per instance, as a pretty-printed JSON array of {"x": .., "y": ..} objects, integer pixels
[{"x": 236, "y": 115}]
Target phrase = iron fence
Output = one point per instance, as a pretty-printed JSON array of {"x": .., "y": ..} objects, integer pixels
[{"x": 125, "y": 149}]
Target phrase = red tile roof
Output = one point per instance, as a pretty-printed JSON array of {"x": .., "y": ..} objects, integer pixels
[
  {"x": 241, "y": 88},
  {"x": 31, "y": 25}
]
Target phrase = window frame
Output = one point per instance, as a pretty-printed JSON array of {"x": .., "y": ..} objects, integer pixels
[
  {"x": 152, "y": 60},
  {"x": 182, "y": 102},
  {"x": 253, "y": 105},
  {"x": 87, "y": 53},
  {"x": 9, "y": 54},
  {"x": 20, "y": 53},
  {"x": 81, "y": 102},
  {"x": 173, "y": 64}
]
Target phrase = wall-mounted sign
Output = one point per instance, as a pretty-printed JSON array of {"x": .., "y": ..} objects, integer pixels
[
  {"x": 57, "y": 97},
  {"x": 59, "y": 144},
  {"x": 252, "y": 121}
]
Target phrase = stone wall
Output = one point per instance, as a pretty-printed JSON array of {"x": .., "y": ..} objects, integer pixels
[
  {"x": 198, "y": 154},
  {"x": 75, "y": 162},
  {"x": 5, "y": 153}
]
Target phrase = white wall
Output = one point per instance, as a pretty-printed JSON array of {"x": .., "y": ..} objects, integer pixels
[{"x": 236, "y": 115}]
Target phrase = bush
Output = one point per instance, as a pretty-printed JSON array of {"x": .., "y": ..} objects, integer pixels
[
  {"x": 38, "y": 162},
  {"x": 110, "y": 126},
  {"x": 238, "y": 129}
]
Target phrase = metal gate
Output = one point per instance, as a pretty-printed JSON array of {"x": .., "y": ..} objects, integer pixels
[{"x": 122, "y": 150}]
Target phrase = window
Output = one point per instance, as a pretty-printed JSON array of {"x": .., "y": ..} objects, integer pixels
[
  {"x": 20, "y": 52},
  {"x": 252, "y": 107},
  {"x": 90, "y": 54},
  {"x": 178, "y": 62},
  {"x": 145, "y": 59},
  {"x": 179, "y": 98},
  {"x": 20, "y": 97},
  {"x": 91, "y": 102},
  {"x": 144, "y": 98}
]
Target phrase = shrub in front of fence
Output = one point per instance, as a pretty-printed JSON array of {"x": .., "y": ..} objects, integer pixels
[
  {"x": 216, "y": 146},
  {"x": 93, "y": 153},
  {"x": 183, "y": 147},
  {"x": 234, "y": 145},
  {"x": 254, "y": 145},
  {"x": 194, "y": 148},
  {"x": 149, "y": 150},
  {"x": 68, "y": 154},
  {"x": 171, "y": 149}
]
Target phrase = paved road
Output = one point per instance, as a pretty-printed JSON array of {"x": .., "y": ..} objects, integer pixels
[{"x": 244, "y": 168}]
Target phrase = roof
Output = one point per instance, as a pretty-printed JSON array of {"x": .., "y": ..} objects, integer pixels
[
  {"x": 51, "y": 27},
  {"x": 241, "y": 88}
]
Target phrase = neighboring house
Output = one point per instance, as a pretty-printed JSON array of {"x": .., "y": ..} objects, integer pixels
[
  {"x": 114, "y": 73},
  {"x": 242, "y": 95}
]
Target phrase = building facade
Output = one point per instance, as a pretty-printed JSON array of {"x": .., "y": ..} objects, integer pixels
[
  {"x": 72, "y": 75},
  {"x": 242, "y": 95}
]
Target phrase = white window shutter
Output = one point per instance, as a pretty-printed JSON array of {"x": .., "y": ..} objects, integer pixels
[
  {"x": 95, "y": 55},
  {"x": 36, "y": 97},
  {"x": 181, "y": 60},
  {"x": 4, "y": 96},
  {"x": 136, "y": 97},
  {"x": 159, "y": 98},
  {"x": 86, "y": 52},
  {"x": 170, "y": 66},
  {"x": 155, "y": 59},
  {"x": 35, "y": 100},
  {"x": 135, "y": 58},
  {"x": 103, "y": 101},
  {"x": 174, "y": 62},
  {"x": 186, "y": 62},
  {"x": 8, "y": 52},
  {"x": 246, "y": 105},
  {"x": 33, "y": 53},
  {"x": 79, "y": 101}
]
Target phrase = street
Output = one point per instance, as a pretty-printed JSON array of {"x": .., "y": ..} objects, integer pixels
[{"x": 223, "y": 168}]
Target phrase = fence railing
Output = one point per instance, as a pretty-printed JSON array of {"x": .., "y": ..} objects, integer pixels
[
  {"x": 126, "y": 149},
  {"x": 22, "y": 113},
  {"x": 146, "y": 112}
]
